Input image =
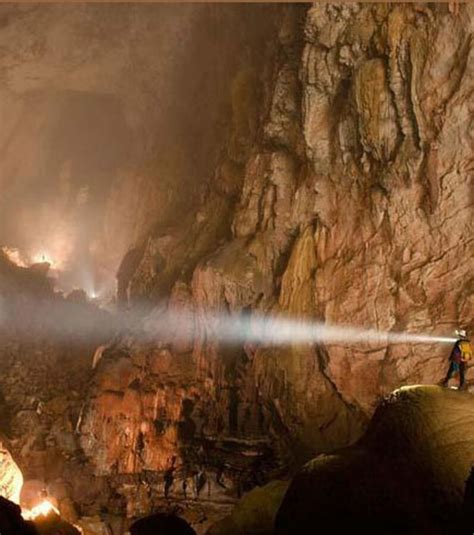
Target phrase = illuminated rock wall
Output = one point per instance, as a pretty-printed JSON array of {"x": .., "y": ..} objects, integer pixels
[
  {"x": 355, "y": 207},
  {"x": 11, "y": 479},
  {"x": 342, "y": 192}
]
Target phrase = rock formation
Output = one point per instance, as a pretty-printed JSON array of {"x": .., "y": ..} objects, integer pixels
[
  {"x": 469, "y": 503},
  {"x": 47, "y": 343},
  {"x": 11, "y": 521},
  {"x": 11, "y": 478},
  {"x": 100, "y": 126},
  {"x": 255, "y": 513},
  {"x": 341, "y": 192},
  {"x": 354, "y": 208},
  {"x": 406, "y": 475},
  {"x": 163, "y": 524}
]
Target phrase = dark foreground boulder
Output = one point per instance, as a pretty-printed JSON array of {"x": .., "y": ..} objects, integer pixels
[
  {"x": 469, "y": 504},
  {"x": 11, "y": 521},
  {"x": 407, "y": 475},
  {"x": 255, "y": 513},
  {"x": 53, "y": 524},
  {"x": 161, "y": 524}
]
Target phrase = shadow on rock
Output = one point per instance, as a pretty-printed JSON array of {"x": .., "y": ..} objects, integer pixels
[
  {"x": 11, "y": 521},
  {"x": 406, "y": 475},
  {"x": 255, "y": 513},
  {"x": 52, "y": 524},
  {"x": 161, "y": 524}
]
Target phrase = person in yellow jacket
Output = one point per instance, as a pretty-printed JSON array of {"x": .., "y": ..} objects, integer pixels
[{"x": 460, "y": 355}]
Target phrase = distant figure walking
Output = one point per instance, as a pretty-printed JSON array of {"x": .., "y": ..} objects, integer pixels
[
  {"x": 461, "y": 354},
  {"x": 169, "y": 476}
]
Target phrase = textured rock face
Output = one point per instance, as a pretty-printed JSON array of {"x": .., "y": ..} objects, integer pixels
[
  {"x": 11, "y": 477},
  {"x": 342, "y": 193},
  {"x": 46, "y": 369},
  {"x": 355, "y": 208}
]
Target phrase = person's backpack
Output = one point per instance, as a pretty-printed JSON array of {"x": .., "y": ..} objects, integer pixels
[{"x": 466, "y": 350}]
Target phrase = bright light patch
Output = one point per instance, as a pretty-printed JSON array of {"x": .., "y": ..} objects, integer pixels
[
  {"x": 11, "y": 478},
  {"x": 41, "y": 258},
  {"x": 43, "y": 509},
  {"x": 277, "y": 330},
  {"x": 14, "y": 255}
]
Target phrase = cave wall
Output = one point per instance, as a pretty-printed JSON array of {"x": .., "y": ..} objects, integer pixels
[
  {"x": 355, "y": 207},
  {"x": 102, "y": 108},
  {"x": 341, "y": 191}
]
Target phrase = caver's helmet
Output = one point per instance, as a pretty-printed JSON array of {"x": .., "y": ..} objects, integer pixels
[{"x": 461, "y": 333}]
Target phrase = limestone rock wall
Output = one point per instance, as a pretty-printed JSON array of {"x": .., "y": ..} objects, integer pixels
[
  {"x": 342, "y": 193},
  {"x": 355, "y": 208}
]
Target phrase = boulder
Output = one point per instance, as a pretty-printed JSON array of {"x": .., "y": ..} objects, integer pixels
[
  {"x": 406, "y": 475},
  {"x": 255, "y": 513},
  {"x": 54, "y": 525},
  {"x": 11, "y": 521},
  {"x": 469, "y": 504},
  {"x": 49, "y": 522}
]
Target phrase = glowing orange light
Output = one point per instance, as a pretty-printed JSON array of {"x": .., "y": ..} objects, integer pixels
[
  {"x": 14, "y": 255},
  {"x": 44, "y": 509}
]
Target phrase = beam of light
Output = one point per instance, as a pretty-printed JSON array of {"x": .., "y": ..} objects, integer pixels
[
  {"x": 67, "y": 320},
  {"x": 284, "y": 331},
  {"x": 276, "y": 330}
]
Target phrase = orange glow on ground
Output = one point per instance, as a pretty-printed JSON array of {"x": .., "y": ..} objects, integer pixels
[{"x": 44, "y": 509}]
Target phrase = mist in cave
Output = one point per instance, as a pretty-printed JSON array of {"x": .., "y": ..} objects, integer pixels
[
  {"x": 111, "y": 130},
  {"x": 236, "y": 269}
]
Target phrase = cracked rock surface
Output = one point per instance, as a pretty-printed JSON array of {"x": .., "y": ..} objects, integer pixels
[
  {"x": 355, "y": 207},
  {"x": 342, "y": 193}
]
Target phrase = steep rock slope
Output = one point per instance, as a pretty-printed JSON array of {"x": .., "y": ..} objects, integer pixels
[{"x": 47, "y": 344}]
